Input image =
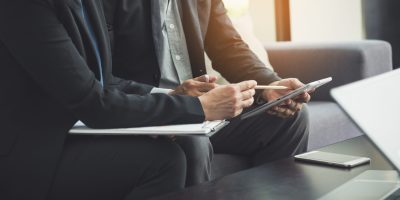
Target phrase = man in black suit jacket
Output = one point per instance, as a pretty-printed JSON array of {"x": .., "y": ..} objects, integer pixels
[
  {"x": 55, "y": 62},
  {"x": 141, "y": 32}
]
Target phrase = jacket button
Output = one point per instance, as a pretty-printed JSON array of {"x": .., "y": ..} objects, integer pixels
[{"x": 109, "y": 27}]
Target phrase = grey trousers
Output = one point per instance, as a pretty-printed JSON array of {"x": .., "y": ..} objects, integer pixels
[{"x": 260, "y": 139}]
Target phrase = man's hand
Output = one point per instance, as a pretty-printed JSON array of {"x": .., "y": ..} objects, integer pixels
[
  {"x": 291, "y": 106},
  {"x": 228, "y": 101},
  {"x": 197, "y": 86}
]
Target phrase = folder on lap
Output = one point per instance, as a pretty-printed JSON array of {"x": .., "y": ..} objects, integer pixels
[{"x": 207, "y": 128}]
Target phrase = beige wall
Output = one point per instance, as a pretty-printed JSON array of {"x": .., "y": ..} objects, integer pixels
[
  {"x": 326, "y": 20},
  {"x": 312, "y": 20},
  {"x": 263, "y": 14}
]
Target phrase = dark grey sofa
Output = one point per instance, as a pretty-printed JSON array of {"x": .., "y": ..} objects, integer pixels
[{"x": 345, "y": 62}]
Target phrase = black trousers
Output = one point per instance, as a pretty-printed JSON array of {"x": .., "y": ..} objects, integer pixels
[
  {"x": 118, "y": 167},
  {"x": 133, "y": 167}
]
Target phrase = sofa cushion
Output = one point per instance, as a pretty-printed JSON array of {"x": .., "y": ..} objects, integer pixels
[
  {"x": 329, "y": 124},
  {"x": 346, "y": 62}
]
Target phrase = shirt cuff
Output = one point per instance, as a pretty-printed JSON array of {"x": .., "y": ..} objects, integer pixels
[{"x": 160, "y": 90}]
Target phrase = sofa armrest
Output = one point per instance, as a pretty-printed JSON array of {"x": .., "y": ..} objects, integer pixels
[{"x": 345, "y": 62}]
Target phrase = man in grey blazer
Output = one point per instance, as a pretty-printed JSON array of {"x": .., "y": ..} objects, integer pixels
[{"x": 162, "y": 43}]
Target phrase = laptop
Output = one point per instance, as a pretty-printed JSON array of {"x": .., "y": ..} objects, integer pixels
[{"x": 374, "y": 105}]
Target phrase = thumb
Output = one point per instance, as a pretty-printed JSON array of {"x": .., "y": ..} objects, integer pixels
[
  {"x": 206, "y": 78},
  {"x": 212, "y": 78},
  {"x": 296, "y": 83}
]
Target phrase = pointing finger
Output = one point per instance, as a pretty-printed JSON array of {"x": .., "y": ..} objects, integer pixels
[{"x": 246, "y": 85}]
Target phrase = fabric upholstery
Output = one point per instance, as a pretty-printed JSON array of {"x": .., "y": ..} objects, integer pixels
[
  {"x": 345, "y": 62},
  {"x": 329, "y": 124}
]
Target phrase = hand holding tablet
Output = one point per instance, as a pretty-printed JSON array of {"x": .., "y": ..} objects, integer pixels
[{"x": 293, "y": 94}]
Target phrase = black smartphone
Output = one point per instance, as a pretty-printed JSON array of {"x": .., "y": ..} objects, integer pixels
[{"x": 333, "y": 159}]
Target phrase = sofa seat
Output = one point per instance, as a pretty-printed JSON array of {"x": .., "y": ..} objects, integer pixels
[{"x": 329, "y": 124}]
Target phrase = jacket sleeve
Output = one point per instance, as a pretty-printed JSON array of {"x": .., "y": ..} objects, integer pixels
[
  {"x": 130, "y": 87},
  {"x": 229, "y": 54},
  {"x": 41, "y": 45}
]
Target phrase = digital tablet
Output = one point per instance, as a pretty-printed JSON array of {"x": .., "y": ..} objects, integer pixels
[{"x": 306, "y": 88}]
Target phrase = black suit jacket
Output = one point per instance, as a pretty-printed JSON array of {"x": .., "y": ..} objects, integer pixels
[
  {"x": 48, "y": 82},
  {"x": 134, "y": 26}
]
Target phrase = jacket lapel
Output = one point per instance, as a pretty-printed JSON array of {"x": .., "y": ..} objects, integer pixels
[
  {"x": 156, "y": 27},
  {"x": 97, "y": 17},
  {"x": 194, "y": 36},
  {"x": 98, "y": 23}
]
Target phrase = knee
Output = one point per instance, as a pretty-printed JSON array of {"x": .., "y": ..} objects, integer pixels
[
  {"x": 174, "y": 164},
  {"x": 304, "y": 116},
  {"x": 204, "y": 151},
  {"x": 174, "y": 158},
  {"x": 164, "y": 173},
  {"x": 197, "y": 149},
  {"x": 302, "y": 120}
]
